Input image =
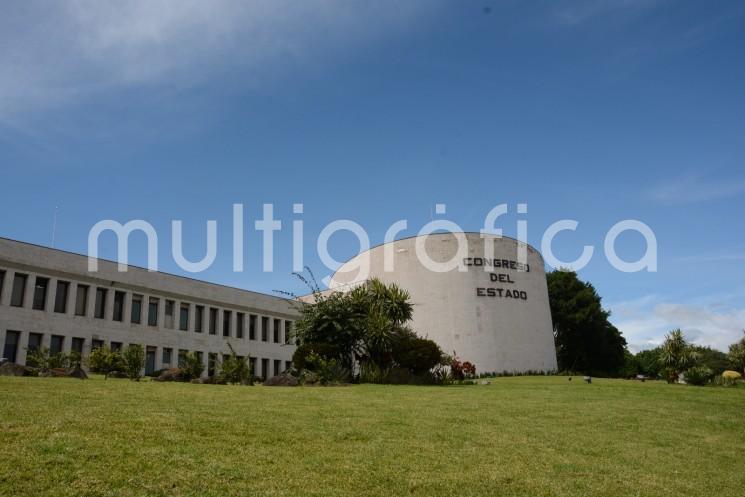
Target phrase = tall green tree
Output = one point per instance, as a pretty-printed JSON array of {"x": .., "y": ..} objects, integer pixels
[
  {"x": 585, "y": 339},
  {"x": 676, "y": 355},
  {"x": 737, "y": 355}
]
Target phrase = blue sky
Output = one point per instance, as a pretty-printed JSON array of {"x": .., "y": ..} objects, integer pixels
[{"x": 593, "y": 111}]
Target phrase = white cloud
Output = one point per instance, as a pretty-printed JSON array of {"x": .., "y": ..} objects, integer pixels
[
  {"x": 644, "y": 322},
  {"x": 694, "y": 188},
  {"x": 54, "y": 53}
]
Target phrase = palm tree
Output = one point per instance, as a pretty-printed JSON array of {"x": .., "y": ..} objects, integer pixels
[{"x": 676, "y": 355}]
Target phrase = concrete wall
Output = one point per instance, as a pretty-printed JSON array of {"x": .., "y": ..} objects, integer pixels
[
  {"x": 32, "y": 260},
  {"x": 496, "y": 333}
]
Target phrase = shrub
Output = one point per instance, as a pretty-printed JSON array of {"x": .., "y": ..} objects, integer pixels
[
  {"x": 104, "y": 360},
  {"x": 191, "y": 366},
  {"x": 235, "y": 369},
  {"x": 134, "y": 361},
  {"x": 300, "y": 357},
  {"x": 462, "y": 370},
  {"x": 698, "y": 375},
  {"x": 418, "y": 355},
  {"x": 329, "y": 370}
]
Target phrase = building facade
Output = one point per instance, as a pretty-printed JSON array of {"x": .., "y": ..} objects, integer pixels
[
  {"x": 491, "y": 308},
  {"x": 48, "y": 298}
]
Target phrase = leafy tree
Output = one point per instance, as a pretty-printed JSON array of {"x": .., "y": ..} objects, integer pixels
[
  {"x": 737, "y": 355},
  {"x": 104, "y": 360},
  {"x": 191, "y": 366},
  {"x": 418, "y": 355},
  {"x": 235, "y": 369},
  {"x": 363, "y": 323},
  {"x": 716, "y": 360},
  {"x": 676, "y": 355},
  {"x": 134, "y": 361},
  {"x": 648, "y": 362},
  {"x": 585, "y": 340}
]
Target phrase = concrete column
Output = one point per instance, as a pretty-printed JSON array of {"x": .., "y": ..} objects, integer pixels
[
  {"x": 192, "y": 317},
  {"x": 220, "y": 312},
  {"x": 7, "y": 287},
  {"x": 109, "y": 311},
  {"x": 162, "y": 314},
  {"x": 28, "y": 294},
  {"x": 127, "y": 308},
  {"x": 90, "y": 304},
  {"x": 51, "y": 295},
  {"x": 21, "y": 347},
  {"x": 71, "y": 299}
]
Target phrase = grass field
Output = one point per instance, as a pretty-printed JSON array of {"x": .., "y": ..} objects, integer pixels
[{"x": 518, "y": 436}]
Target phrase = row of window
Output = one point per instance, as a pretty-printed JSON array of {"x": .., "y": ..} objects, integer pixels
[
  {"x": 13, "y": 340},
  {"x": 138, "y": 309}
]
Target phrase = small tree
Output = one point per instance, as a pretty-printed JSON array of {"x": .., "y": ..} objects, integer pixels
[
  {"x": 191, "y": 366},
  {"x": 737, "y": 355},
  {"x": 235, "y": 369},
  {"x": 105, "y": 360},
  {"x": 134, "y": 361},
  {"x": 675, "y": 355}
]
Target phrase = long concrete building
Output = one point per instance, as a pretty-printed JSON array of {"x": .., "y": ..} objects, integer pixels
[{"x": 48, "y": 298}]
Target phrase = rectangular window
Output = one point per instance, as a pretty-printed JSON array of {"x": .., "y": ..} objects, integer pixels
[
  {"x": 56, "y": 345},
  {"x": 264, "y": 329},
  {"x": 100, "y": 309},
  {"x": 136, "y": 312},
  {"x": 167, "y": 353},
  {"x": 226, "y": 322},
  {"x": 277, "y": 366},
  {"x": 265, "y": 368},
  {"x": 77, "y": 345},
  {"x": 10, "y": 351},
  {"x": 240, "y": 321},
  {"x": 277, "y": 330},
  {"x": 288, "y": 365},
  {"x": 115, "y": 346},
  {"x": 60, "y": 297},
  {"x": 2, "y": 282},
  {"x": 19, "y": 290},
  {"x": 119, "y": 306},
  {"x": 198, "y": 318},
  {"x": 183, "y": 319},
  {"x": 34, "y": 342},
  {"x": 40, "y": 293},
  {"x": 213, "y": 321},
  {"x": 97, "y": 344},
  {"x": 252, "y": 365},
  {"x": 152, "y": 312},
  {"x": 288, "y": 331},
  {"x": 252, "y": 326},
  {"x": 81, "y": 300},
  {"x": 169, "y": 314}
]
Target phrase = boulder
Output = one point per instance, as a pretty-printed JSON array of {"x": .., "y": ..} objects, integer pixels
[
  {"x": 310, "y": 378},
  {"x": 13, "y": 369},
  {"x": 116, "y": 374},
  {"x": 173, "y": 374},
  {"x": 210, "y": 380},
  {"x": 281, "y": 380},
  {"x": 76, "y": 372}
]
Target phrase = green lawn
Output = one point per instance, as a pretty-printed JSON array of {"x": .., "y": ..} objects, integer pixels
[{"x": 517, "y": 436}]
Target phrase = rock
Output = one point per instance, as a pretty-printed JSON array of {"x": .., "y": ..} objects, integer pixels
[
  {"x": 13, "y": 369},
  {"x": 173, "y": 374},
  {"x": 310, "y": 378},
  {"x": 281, "y": 380},
  {"x": 77, "y": 372},
  {"x": 731, "y": 375}
]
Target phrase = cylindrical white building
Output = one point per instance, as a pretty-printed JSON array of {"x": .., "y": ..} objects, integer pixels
[{"x": 475, "y": 295}]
